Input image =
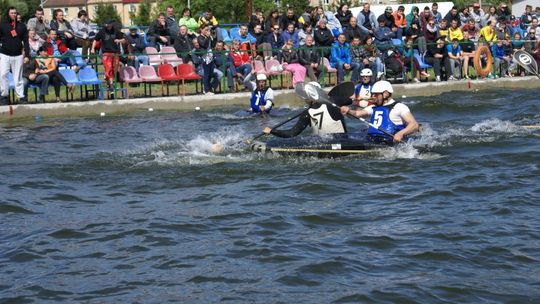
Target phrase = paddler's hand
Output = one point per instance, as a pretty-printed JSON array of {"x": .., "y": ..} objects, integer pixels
[
  {"x": 267, "y": 130},
  {"x": 262, "y": 109},
  {"x": 398, "y": 137},
  {"x": 344, "y": 110}
]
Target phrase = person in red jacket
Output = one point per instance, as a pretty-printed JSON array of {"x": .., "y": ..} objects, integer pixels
[{"x": 239, "y": 63}]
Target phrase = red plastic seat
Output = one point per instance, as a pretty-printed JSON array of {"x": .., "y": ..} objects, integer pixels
[
  {"x": 187, "y": 73},
  {"x": 167, "y": 74}
]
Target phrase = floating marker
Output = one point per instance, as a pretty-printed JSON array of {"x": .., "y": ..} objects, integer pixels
[
  {"x": 37, "y": 118},
  {"x": 403, "y": 96},
  {"x": 150, "y": 109},
  {"x": 197, "y": 108},
  {"x": 102, "y": 114}
]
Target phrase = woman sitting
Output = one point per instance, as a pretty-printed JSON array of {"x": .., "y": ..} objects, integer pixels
[{"x": 291, "y": 62}]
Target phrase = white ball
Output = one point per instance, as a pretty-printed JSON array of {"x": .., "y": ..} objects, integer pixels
[
  {"x": 102, "y": 114},
  {"x": 403, "y": 96},
  {"x": 150, "y": 109},
  {"x": 197, "y": 108}
]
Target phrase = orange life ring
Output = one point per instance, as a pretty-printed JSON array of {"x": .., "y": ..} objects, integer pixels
[{"x": 483, "y": 71}]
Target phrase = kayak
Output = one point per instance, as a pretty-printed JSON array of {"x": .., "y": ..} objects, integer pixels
[{"x": 331, "y": 145}]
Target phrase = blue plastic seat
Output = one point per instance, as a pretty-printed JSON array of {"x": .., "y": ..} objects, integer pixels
[
  {"x": 70, "y": 76},
  {"x": 421, "y": 62},
  {"x": 79, "y": 61},
  {"x": 397, "y": 42},
  {"x": 88, "y": 76}
]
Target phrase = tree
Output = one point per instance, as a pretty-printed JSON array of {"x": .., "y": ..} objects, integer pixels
[
  {"x": 106, "y": 11},
  {"x": 143, "y": 16},
  {"x": 299, "y": 6},
  {"x": 22, "y": 7}
]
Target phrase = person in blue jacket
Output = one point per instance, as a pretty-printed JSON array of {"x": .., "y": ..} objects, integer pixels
[
  {"x": 262, "y": 96},
  {"x": 386, "y": 114},
  {"x": 340, "y": 59}
]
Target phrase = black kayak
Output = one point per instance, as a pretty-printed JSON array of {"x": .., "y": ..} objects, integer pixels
[{"x": 331, "y": 145}]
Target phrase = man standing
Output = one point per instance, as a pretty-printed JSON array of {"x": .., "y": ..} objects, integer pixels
[
  {"x": 13, "y": 53},
  {"x": 110, "y": 38},
  {"x": 172, "y": 24},
  {"x": 39, "y": 24}
]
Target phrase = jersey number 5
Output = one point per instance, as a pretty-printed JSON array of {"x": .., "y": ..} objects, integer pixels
[{"x": 377, "y": 119}]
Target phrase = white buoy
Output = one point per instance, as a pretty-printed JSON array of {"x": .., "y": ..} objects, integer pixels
[
  {"x": 150, "y": 109},
  {"x": 102, "y": 114},
  {"x": 197, "y": 108},
  {"x": 403, "y": 96}
]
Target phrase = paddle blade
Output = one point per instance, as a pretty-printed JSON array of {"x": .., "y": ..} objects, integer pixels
[
  {"x": 527, "y": 61},
  {"x": 301, "y": 91},
  {"x": 341, "y": 93}
]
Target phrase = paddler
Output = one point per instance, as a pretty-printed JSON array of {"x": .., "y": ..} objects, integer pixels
[
  {"x": 362, "y": 91},
  {"x": 262, "y": 96},
  {"x": 323, "y": 118},
  {"x": 387, "y": 114}
]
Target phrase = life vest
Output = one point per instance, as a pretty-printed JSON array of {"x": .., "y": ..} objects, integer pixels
[
  {"x": 363, "y": 91},
  {"x": 322, "y": 122},
  {"x": 257, "y": 100},
  {"x": 381, "y": 119}
]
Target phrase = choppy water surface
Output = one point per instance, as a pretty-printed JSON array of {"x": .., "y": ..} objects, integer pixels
[{"x": 135, "y": 209}]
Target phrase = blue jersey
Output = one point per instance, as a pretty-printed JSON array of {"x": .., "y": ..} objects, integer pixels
[
  {"x": 381, "y": 119},
  {"x": 258, "y": 99}
]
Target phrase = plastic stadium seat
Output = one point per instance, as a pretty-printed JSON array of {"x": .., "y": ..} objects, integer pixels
[
  {"x": 153, "y": 56},
  {"x": 167, "y": 74},
  {"x": 187, "y": 73},
  {"x": 149, "y": 76},
  {"x": 330, "y": 71},
  {"x": 168, "y": 55},
  {"x": 88, "y": 76},
  {"x": 258, "y": 66},
  {"x": 128, "y": 75},
  {"x": 272, "y": 68}
]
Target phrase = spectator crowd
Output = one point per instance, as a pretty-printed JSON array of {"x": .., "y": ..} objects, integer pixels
[{"x": 312, "y": 44}]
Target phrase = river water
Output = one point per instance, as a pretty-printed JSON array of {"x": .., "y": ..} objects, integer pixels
[{"x": 136, "y": 209}]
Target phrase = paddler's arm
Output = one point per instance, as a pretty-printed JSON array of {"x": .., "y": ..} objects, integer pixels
[
  {"x": 412, "y": 126},
  {"x": 358, "y": 113},
  {"x": 250, "y": 85},
  {"x": 301, "y": 125}
]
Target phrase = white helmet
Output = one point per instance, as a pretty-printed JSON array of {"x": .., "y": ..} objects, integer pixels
[
  {"x": 366, "y": 72},
  {"x": 261, "y": 76},
  {"x": 381, "y": 86},
  {"x": 314, "y": 83}
]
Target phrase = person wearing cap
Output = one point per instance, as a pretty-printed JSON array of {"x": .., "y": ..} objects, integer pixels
[
  {"x": 138, "y": 47},
  {"x": 387, "y": 18},
  {"x": 478, "y": 15},
  {"x": 387, "y": 114},
  {"x": 436, "y": 57},
  {"x": 110, "y": 38},
  {"x": 321, "y": 117},
  {"x": 362, "y": 91},
  {"x": 81, "y": 30},
  {"x": 262, "y": 96}
]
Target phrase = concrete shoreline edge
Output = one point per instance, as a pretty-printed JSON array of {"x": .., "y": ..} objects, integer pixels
[{"x": 95, "y": 107}]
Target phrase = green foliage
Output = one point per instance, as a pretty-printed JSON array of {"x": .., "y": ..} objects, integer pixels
[
  {"x": 299, "y": 6},
  {"x": 351, "y": 3},
  {"x": 22, "y": 7},
  {"x": 143, "y": 16},
  {"x": 104, "y": 12}
]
